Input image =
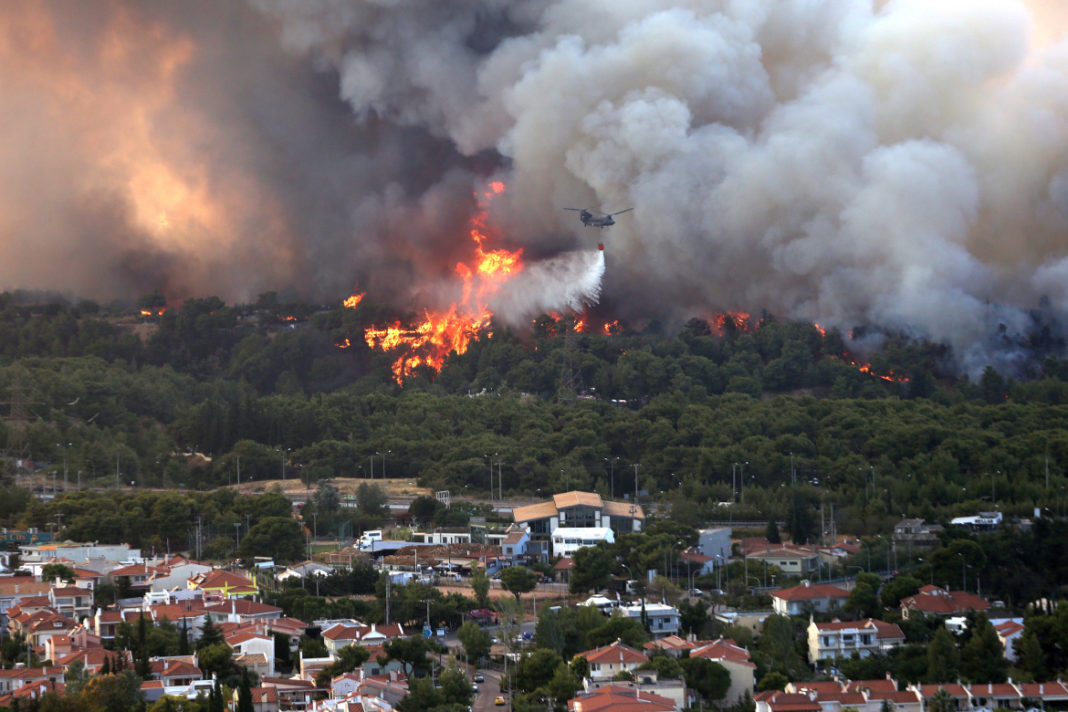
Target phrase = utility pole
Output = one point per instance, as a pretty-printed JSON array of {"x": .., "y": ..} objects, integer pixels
[
  {"x": 636, "y": 466},
  {"x": 239, "y": 472}
]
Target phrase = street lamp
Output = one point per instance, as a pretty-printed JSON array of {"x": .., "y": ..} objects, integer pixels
[
  {"x": 282, "y": 453},
  {"x": 612, "y": 469},
  {"x": 963, "y": 579}
]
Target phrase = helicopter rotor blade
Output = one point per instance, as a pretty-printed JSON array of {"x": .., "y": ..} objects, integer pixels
[{"x": 620, "y": 212}]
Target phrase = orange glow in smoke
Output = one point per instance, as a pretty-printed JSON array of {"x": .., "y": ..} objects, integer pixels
[
  {"x": 353, "y": 301},
  {"x": 430, "y": 342}
]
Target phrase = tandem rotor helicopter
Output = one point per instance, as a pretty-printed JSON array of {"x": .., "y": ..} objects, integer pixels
[{"x": 594, "y": 219}]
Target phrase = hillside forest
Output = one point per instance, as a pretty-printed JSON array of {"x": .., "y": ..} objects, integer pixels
[{"x": 758, "y": 418}]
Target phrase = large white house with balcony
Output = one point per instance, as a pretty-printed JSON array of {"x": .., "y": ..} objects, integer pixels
[{"x": 840, "y": 639}]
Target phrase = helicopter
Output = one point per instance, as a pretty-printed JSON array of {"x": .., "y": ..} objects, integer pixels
[{"x": 590, "y": 219}]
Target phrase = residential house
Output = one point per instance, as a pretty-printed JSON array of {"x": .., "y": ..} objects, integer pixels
[
  {"x": 608, "y": 661},
  {"x": 74, "y": 551},
  {"x": 933, "y": 600},
  {"x": 735, "y": 659},
  {"x": 839, "y": 639},
  {"x": 781, "y": 701},
  {"x": 515, "y": 543},
  {"x": 239, "y": 610},
  {"x": 716, "y": 545},
  {"x": 264, "y": 699},
  {"x": 249, "y": 643},
  {"x": 791, "y": 560},
  {"x": 226, "y": 584},
  {"x": 808, "y": 598},
  {"x": 293, "y": 694},
  {"x": 174, "y": 572},
  {"x": 916, "y": 533},
  {"x": 662, "y": 619},
  {"x": 16, "y": 678},
  {"x": 338, "y": 636},
  {"x": 13, "y": 589},
  {"x": 617, "y": 698},
  {"x": 70, "y": 601},
  {"x": 135, "y": 575},
  {"x": 176, "y": 671},
  {"x": 1009, "y": 631}
]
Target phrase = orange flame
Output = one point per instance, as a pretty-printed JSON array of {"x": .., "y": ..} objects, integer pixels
[
  {"x": 286, "y": 318},
  {"x": 889, "y": 377},
  {"x": 430, "y": 342},
  {"x": 610, "y": 328},
  {"x": 823, "y": 332},
  {"x": 149, "y": 312},
  {"x": 738, "y": 320},
  {"x": 353, "y": 301},
  {"x": 344, "y": 344}
]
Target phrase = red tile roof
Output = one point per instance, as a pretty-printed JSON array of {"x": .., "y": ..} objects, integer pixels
[
  {"x": 809, "y": 592},
  {"x": 617, "y": 698},
  {"x": 879, "y": 685},
  {"x": 883, "y": 630},
  {"x": 955, "y": 690},
  {"x": 788, "y": 702},
  {"x": 617, "y": 652},
  {"x": 723, "y": 649},
  {"x": 941, "y": 602}
]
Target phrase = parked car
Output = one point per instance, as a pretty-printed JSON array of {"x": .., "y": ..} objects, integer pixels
[{"x": 479, "y": 677}]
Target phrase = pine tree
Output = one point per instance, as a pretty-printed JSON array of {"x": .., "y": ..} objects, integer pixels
[
  {"x": 218, "y": 704},
  {"x": 183, "y": 639},
  {"x": 209, "y": 634},
  {"x": 105, "y": 669},
  {"x": 772, "y": 532},
  {"x": 982, "y": 658},
  {"x": 943, "y": 658},
  {"x": 143, "y": 665},
  {"x": 244, "y": 693},
  {"x": 1030, "y": 656}
]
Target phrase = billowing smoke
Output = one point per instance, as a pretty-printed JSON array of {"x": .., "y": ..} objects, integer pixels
[{"x": 898, "y": 163}]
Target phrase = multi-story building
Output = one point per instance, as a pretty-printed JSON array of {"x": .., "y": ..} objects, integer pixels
[
  {"x": 841, "y": 639},
  {"x": 576, "y": 510},
  {"x": 663, "y": 619}
]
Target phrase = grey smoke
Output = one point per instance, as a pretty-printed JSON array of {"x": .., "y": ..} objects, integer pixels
[{"x": 898, "y": 163}]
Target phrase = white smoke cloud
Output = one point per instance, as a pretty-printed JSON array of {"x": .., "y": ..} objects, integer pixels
[
  {"x": 567, "y": 281},
  {"x": 897, "y": 163}
]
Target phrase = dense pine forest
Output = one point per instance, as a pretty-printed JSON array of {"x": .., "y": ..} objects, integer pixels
[{"x": 724, "y": 409}]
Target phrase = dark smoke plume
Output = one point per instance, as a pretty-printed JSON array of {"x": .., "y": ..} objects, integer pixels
[{"x": 898, "y": 163}]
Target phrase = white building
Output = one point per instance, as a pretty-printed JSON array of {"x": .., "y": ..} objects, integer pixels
[
  {"x": 841, "y": 639},
  {"x": 568, "y": 540},
  {"x": 663, "y": 619},
  {"x": 715, "y": 544}
]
